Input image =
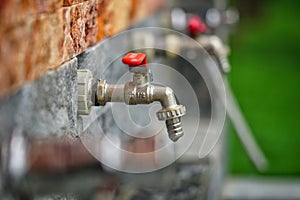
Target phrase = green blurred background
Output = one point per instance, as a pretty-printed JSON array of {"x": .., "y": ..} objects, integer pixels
[{"x": 265, "y": 78}]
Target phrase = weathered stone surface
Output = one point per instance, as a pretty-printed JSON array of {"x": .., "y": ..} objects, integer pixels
[
  {"x": 16, "y": 12},
  {"x": 46, "y": 6},
  {"x": 113, "y": 17},
  {"x": 72, "y": 2},
  {"x": 43, "y": 43},
  {"x": 139, "y": 9},
  {"x": 38, "y": 35},
  {"x": 4, "y": 80},
  {"x": 48, "y": 38},
  {"x": 120, "y": 17},
  {"x": 13, "y": 52},
  {"x": 103, "y": 19},
  {"x": 44, "y": 108},
  {"x": 27, "y": 51},
  {"x": 80, "y": 28},
  {"x": 142, "y": 8}
]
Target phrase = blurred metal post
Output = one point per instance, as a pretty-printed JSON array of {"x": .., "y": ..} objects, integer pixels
[{"x": 243, "y": 130}]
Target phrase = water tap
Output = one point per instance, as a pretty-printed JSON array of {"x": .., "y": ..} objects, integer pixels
[
  {"x": 193, "y": 25},
  {"x": 141, "y": 90},
  {"x": 212, "y": 43}
]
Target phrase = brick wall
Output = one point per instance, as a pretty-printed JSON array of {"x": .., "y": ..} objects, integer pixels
[{"x": 39, "y": 35}]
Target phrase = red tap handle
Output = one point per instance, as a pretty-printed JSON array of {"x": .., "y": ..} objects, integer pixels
[
  {"x": 196, "y": 25},
  {"x": 135, "y": 59}
]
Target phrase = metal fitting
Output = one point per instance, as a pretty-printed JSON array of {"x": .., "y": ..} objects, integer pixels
[
  {"x": 141, "y": 91},
  {"x": 84, "y": 84},
  {"x": 101, "y": 90},
  {"x": 173, "y": 120},
  {"x": 216, "y": 47}
]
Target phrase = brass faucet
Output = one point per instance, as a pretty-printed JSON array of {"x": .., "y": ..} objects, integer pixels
[{"x": 141, "y": 91}]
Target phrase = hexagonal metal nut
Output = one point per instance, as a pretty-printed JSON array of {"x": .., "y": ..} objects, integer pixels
[{"x": 101, "y": 90}]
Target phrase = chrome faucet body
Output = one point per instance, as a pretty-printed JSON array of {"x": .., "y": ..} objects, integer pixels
[{"x": 141, "y": 91}]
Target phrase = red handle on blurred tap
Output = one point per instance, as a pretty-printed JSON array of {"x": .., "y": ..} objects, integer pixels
[{"x": 196, "y": 25}]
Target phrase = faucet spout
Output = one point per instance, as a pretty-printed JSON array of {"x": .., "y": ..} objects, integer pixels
[
  {"x": 141, "y": 91},
  {"x": 171, "y": 112},
  {"x": 165, "y": 96}
]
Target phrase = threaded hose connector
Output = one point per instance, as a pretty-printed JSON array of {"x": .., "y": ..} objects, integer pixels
[
  {"x": 174, "y": 128},
  {"x": 172, "y": 116}
]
